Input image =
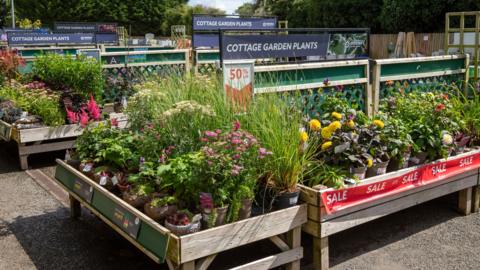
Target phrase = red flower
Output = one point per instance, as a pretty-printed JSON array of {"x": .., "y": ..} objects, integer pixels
[
  {"x": 439, "y": 107},
  {"x": 445, "y": 96}
]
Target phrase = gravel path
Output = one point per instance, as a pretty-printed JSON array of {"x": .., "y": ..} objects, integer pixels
[{"x": 36, "y": 232}]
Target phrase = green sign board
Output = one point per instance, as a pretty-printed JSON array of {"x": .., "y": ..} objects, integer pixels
[{"x": 130, "y": 222}]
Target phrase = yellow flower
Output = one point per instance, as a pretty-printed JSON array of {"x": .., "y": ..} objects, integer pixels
[
  {"x": 315, "y": 125},
  {"x": 369, "y": 163},
  {"x": 335, "y": 125},
  {"x": 303, "y": 136},
  {"x": 326, "y": 133},
  {"x": 351, "y": 124},
  {"x": 326, "y": 145},
  {"x": 337, "y": 115},
  {"x": 379, "y": 123}
]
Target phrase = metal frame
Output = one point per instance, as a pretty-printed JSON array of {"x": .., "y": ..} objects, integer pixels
[{"x": 462, "y": 30}]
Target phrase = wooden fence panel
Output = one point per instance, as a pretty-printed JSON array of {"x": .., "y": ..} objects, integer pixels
[{"x": 426, "y": 43}]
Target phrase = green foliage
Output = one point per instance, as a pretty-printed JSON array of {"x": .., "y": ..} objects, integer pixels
[
  {"x": 276, "y": 124},
  {"x": 82, "y": 75},
  {"x": 389, "y": 16},
  {"x": 36, "y": 103}
]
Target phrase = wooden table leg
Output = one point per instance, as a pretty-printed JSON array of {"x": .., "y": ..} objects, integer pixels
[
  {"x": 465, "y": 201},
  {"x": 320, "y": 253},
  {"x": 23, "y": 158},
  {"x": 294, "y": 238},
  {"x": 475, "y": 199},
  {"x": 188, "y": 266},
  {"x": 75, "y": 208}
]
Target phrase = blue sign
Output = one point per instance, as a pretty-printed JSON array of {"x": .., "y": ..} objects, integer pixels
[
  {"x": 206, "y": 40},
  {"x": 106, "y": 38},
  {"x": 213, "y": 23},
  {"x": 273, "y": 46},
  {"x": 46, "y": 39}
]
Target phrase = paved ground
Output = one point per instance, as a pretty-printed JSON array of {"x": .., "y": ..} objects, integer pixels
[{"x": 37, "y": 233}]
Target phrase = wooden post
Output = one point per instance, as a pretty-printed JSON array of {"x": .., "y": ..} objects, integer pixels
[
  {"x": 320, "y": 253},
  {"x": 188, "y": 266},
  {"x": 376, "y": 86},
  {"x": 465, "y": 201},
  {"x": 75, "y": 208},
  {"x": 22, "y": 157},
  {"x": 294, "y": 238},
  {"x": 475, "y": 199}
]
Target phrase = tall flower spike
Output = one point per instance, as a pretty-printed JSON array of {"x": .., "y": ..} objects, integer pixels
[{"x": 83, "y": 119}]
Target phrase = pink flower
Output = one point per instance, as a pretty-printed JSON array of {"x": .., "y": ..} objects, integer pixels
[
  {"x": 211, "y": 134},
  {"x": 236, "y": 125},
  {"x": 218, "y": 131},
  {"x": 236, "y": 141},
  {"x": 236, "y": 156},
  {"x": 93, "y": 109},
  {"x": 72, "y": 117},
  {"x": 206, "y": 200},
  {"x": 114, "y": 122},
  {"x": 204, "y": 139},
  {"x": 83, "y": 119}
]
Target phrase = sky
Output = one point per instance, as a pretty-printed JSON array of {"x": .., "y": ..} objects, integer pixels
[{"x": 228, "y": 5}]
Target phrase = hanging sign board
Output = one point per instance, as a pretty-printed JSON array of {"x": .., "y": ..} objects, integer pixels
[
  {"x": 47, "y": 39},
  {"x": 238, "y": 83},
  {"x": 273, "y": 46},
  {"x": 80, "y": 27},
  {"x": 213, "y": 23}
]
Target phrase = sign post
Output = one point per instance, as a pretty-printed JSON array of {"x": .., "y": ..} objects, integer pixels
[{"x": 238, "y": 80}]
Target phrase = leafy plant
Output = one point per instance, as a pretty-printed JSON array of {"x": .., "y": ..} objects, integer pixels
[
  {"x": 80, "y": 74},
  {"x": 10, "y": 61}
]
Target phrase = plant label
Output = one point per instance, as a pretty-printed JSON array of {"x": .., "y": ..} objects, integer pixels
[
  {"x": 84, "y": 190},
  {"x": 126, "y": 221}
]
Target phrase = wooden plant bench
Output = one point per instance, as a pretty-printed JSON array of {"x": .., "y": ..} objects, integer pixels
[
  {"x": 45, "y": 139},
  {"x": 192, "y": 251},
  {"x": 379, "y": 196}
]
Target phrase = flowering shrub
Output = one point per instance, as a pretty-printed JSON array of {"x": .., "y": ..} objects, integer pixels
[
  {"x": 86, "y": 114},
  {"x": 9, "y": 63}
]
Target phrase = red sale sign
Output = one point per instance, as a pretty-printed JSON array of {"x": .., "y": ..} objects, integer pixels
[
  {"x": 336, "y": 200},
  {"x": 238, "y": 83}
]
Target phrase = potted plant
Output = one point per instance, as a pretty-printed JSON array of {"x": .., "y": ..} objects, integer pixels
[
  {"x": 160, "y": 207},
  {"x": 183, "y": 222},
  {"x": 378, "y": 150}
]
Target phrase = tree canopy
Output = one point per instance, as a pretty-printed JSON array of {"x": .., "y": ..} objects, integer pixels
[
  {"x": 157, "y": 16},
  {"x": 382, "y": 16}
]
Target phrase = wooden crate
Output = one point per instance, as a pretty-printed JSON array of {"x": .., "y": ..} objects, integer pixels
[
  {"x": 322, "y": 224},
  {"x": 193, "y": 251},
  {"x": 5, "y": 131},
  {"x": 47, "y": 139}
]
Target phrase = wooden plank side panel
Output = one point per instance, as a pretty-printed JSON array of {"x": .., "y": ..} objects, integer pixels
[
  {"x": 48, "y": 133},
  {"x": 354, "y": 219},
  {"x": 308, "y": 195},
  {"x": 5, "y": 131},
  {"x": 215, "y": 240},
  {"x": 274, "y": 260}
]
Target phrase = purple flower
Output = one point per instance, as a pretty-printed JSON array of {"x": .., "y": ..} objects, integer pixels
[
  {"x": 142, "y": 160},
  {"x": 326, "y": 82}
]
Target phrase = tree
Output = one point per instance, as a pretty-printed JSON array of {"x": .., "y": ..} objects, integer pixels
[{"x": 247, "y": 9}]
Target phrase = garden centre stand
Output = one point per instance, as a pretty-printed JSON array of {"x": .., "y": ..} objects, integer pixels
[
  {"x": 45, "y": 139},
  {"x": 321, "y": 224},
  {"x": 192, "y": 251}
]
